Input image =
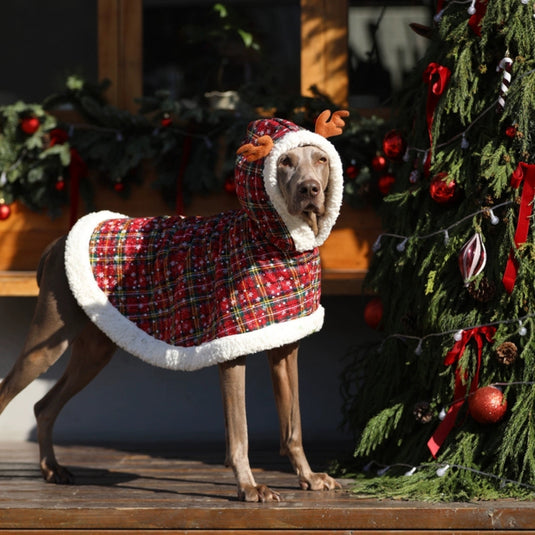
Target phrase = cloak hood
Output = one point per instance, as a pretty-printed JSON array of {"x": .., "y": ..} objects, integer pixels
[
  {"x": 188, "y": 292},
  {"x": 259, "y": 193}
]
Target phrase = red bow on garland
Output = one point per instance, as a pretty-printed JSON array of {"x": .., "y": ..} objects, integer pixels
[
  {"x": 436, "y": 77},
  {"x": 454, "y": 356},
  {"x": 524, "y": 173}
]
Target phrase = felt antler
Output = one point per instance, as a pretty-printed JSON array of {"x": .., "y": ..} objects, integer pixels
[
  {"x": 334, "y": 127},
  {"x": 252, "y": 152}
]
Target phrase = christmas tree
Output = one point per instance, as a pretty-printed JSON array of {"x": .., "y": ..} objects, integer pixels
[{"x": 443, "y": 405}]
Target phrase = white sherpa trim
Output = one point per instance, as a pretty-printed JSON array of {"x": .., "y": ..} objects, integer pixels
[
  {"x": 302, "y": 234},
  {"x": 128, "y": 336}
]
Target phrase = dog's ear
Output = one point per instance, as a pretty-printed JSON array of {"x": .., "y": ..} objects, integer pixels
[
  {"x": 334, "y": 127},
  {"x": 252, "y": 152}
]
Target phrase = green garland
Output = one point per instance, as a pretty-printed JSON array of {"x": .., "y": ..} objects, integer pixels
[{"x": 42, "y": 159}]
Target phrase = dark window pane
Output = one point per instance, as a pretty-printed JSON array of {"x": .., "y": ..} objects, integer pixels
[{"x": 42, "y": 43}]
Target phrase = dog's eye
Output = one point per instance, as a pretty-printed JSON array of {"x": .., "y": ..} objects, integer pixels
[
  {"x": 323, "y": 159},
  {"x": 286, "y": 161}
]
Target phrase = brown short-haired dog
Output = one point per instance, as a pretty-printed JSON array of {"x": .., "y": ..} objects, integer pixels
[{"x": 176, "y": 300}]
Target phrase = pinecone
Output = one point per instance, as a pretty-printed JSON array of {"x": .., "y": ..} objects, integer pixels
[
  {"x": 422, "y": 412},
  {"x": 482, "y": 292},
  {"x": 506, "y": 353}
]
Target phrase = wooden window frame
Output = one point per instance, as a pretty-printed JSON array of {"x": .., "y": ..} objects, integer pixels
[{"x": 323, "y": 49}]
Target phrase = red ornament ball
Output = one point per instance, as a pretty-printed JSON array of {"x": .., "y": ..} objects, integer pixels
[
  {"x": 394, "y": 145},
  {"x": 385, "y": 183},
  {"x": 510, "y": 131},
  {"x": 373, "y": 313},
  {"x": 166, "y": 121},
  {"x": 441, "y": 189},
  {"x": 60, "y": 185},
  {"x": 30, "y": 125},
  {"x": 5, "y": 211},
  {"x": 118, "y": 187},
  {"x": 487, "y": 405},
  {"x": 352, "y": 172},
  {"x": 379, "y": 163}
]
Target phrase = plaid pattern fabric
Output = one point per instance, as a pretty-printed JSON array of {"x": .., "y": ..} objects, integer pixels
[
  {"x": 188, "y": 281},
  {"x": 184, "y": 293}
]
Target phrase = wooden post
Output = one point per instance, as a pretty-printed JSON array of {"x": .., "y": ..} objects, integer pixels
[
  {"x": 120, "y": 54},
  {"x": 324, "y": 48}
]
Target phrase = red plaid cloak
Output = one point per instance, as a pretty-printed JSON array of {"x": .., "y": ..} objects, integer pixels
[{"x": 188, "y": 292}]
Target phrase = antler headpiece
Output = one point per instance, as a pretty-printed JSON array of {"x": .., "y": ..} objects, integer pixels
[{"x": 323, "y": 127}]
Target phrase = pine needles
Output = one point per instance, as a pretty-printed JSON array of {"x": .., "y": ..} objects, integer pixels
[{"x": 481, "y": 130}]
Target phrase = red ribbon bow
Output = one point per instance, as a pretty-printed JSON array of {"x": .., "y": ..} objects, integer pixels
[
  {"x": 436, "y": 77},
  {"x": 459, "y": 394},
  {"x": 524, "y": 173}
]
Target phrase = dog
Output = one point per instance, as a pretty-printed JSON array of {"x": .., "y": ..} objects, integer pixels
[{"x": 289, "y": 183}]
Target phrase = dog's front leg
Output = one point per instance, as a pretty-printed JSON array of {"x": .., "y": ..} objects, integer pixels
[
  {"x": 284, "y": 374},
  {"x": 232, "y": 376}
]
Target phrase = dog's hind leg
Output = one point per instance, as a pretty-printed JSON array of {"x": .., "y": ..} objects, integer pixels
[
  {"x": 232, "y": 376},
  {"x": 56, "y": 320},
  {"x": 284, "y": 375},
  {"x": 91, "y": 351}
]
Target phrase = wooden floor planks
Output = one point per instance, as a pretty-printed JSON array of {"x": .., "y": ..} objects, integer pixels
[{"x": 163, "y": 490}]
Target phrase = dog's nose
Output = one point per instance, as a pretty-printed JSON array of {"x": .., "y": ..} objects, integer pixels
[{"x": 309, "y": 189}]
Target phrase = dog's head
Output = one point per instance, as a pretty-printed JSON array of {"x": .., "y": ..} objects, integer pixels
[
  {"x": 303, "y": 177},
  {"x": 291, "y": 180}
]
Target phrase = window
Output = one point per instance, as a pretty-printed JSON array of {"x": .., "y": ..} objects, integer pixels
[{"x": 44, "y": 42}]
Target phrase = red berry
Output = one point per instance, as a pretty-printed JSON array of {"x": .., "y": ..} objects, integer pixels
[{"x": 30, "y": 125}]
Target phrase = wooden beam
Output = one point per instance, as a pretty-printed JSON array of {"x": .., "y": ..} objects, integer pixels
[
  {"x": 18, "y": 284},
  {"x": 120, "y": 51},
  {"x": 324, "y": 51}
]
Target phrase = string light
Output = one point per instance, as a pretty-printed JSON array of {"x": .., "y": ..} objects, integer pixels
[
  {"x": 494, "y": 220},
  {"x": 491, "y": 106},
  {"x": 401, "y": 247},
  {"x": 441, "y": 472},
  {"x": 522, "y": 331},
  {"x": 457, "y": 333}
]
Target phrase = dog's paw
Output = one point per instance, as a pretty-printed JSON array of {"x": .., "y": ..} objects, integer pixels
[
  {"x": 258, "y": 493},
  {"x": 55, "y": 473},
  {"x": 319, "y": 481}
]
